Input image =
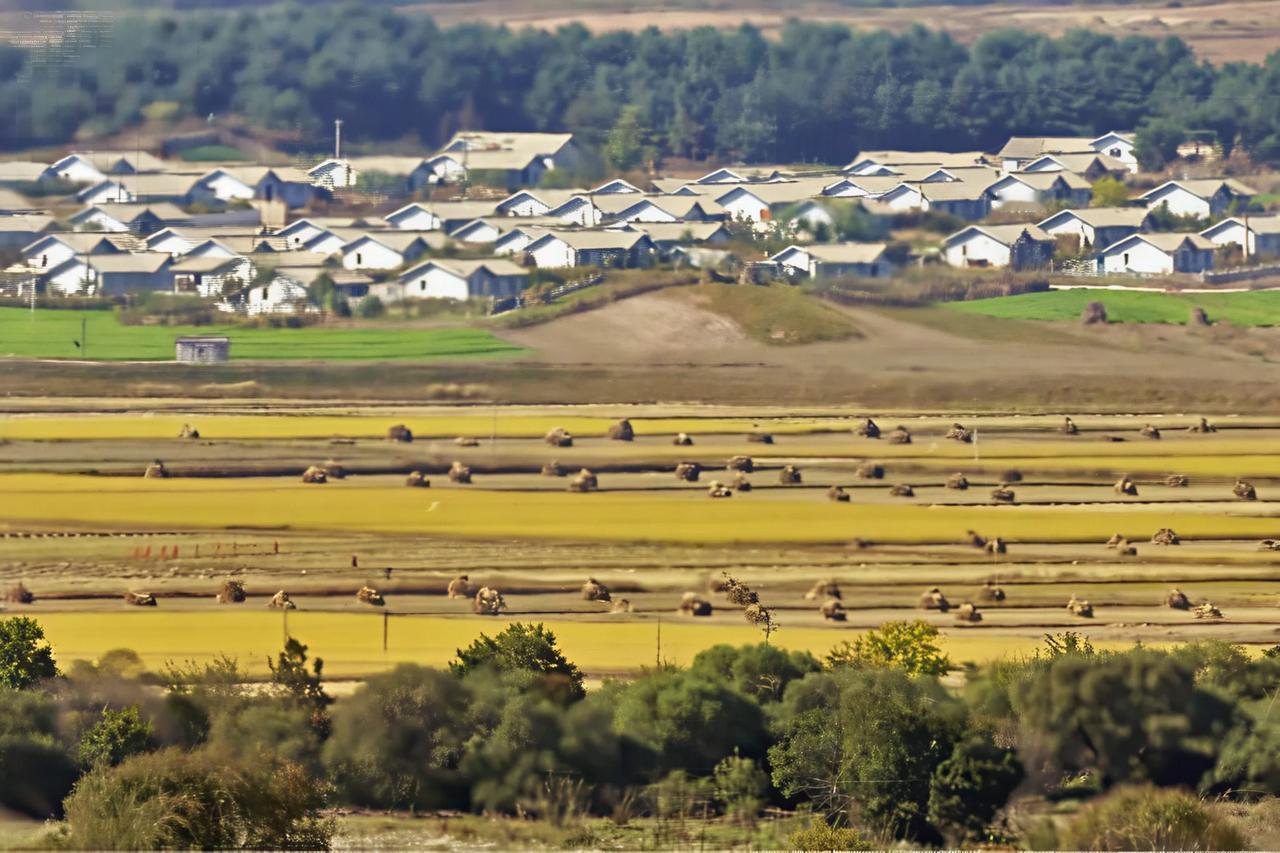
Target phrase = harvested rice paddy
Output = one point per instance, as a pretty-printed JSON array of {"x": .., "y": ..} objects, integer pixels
[{"x": 79, "y": 526}]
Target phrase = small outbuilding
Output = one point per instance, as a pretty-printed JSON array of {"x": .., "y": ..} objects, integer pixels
[{"x": 202, "y": 350}]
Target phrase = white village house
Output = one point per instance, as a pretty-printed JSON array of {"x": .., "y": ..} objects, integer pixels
[
  {"x": 1263, "y": 234},
  {"x": 558, "y": 249},
  {"x": 1018, "y": 247},
  {"x": 455, "y": 278},
  {"x": 836, "y": 260},
  {"x": 1040, "y": 188},
  {"x": 1096, "y": 227},
  {"x": 1155, "y": 254},
  {"x": 1201, "y": 197}
]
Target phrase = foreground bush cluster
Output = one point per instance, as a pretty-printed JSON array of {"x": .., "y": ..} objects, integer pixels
[{"x": 870, "y": 741}]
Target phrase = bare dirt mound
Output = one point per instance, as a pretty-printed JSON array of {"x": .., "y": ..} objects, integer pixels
[{"x": 660, "y": 327}]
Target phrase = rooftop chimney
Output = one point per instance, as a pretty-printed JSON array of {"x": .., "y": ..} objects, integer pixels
[{"x": 337, "y": 139}]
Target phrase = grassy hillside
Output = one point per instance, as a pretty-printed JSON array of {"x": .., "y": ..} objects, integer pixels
[
  {"x": 1257, "y": 308},
  {"x": 778, "y": 314},
  {"x": 50, "y": 333}
]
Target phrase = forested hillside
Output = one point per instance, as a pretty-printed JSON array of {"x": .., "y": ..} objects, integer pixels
[{"x": 818, "y": 93}]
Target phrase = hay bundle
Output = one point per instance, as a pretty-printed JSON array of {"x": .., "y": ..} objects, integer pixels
[
  {"x": 1124, "y": 549},
  {"x": 466, "y": 441},
  {"x": 760, "y": 438},
  {"x": 554, "y": 469},
  {"x": 584, "y": 481},
  {"x": 959, "y": 433},
  {"x": 1202, "y": 427},
  {"x": 741, "y": 483},
  {"x": 558, "y": 437},
  {"x": 140, "y": 599},
  {"x": 1069, "y": 427},
  {"x": 720, "y": 490},
  {"x": 188, "y": 431},
  {"x": 975, "y": 539},
  {"x": 621, "y": 605},
  {"x": 716, "y": 584},
  {"x": 593, "y": 590},
  {"x": 369, "y": 595},
  {"x": 688, "y": 472},
  {"x": 1002, "y": 495},
  {"x": 1149, "y": 431},
  {"x": 1269, "y": 545},
  {"x": 621, "y": 431},
  {"x": 1165, "y": 536},
  {"x": 232, "y": 592},
  {"x": 838, "y": 494},
  {"x": 156, "y": 471},
  {"x": 902, "y": 490},
  {"x": 745, "y": 464},
  {"x": 280, "y": 601},
  {"x": 933, "y": 599},
  {"x": 1244, "y": 491},
  {"x": 824, "y": 589},
  {"x": 958, "y": 481},
  {"x": 1177, "y": 480},
  {"x": 19, "y": 594},
  {"x": 1125, "y": 486},
  {"x": 870, "y": 471},
  {"x": 314, "y": 474},
  {"x": 860, "y": 543},
  {"x": 968, "y": 612},
  {"x": 1117, "y": 540},
  {"x": 400, "y": 433},
  {"x": 1198, "y": 317},
  {"x": 789, "y": 475},
  {"x": 1113, "y": 438},
  {"x": 901, "y": 435},
  {"x": 996, "y": 545},
  {"x": 1095, "y": 312},
  {"x": 417, "y": 480},
  {"x": 682, "y": 439},
  {"x": 833, "y": 611},
  {"x": 334, "y": 470},
  {"x": 990, "y": 592},
  {"x": 460, "y": 587},
  {"x": 1177, "y": 599},
  {"x": 1080, "y": 607},
  {"x": 867, "y": 429},
  {"x": 693, "y": 604},
  {"x": 488, "y": 602},
  {"x": 1206, "y": 611},
  {"x": 1012, "y": 475},
  {"x": 459, "y": 473}
]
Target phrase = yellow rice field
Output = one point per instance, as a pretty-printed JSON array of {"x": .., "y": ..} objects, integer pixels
[
  {"x": 351, "y": 644},
  {"x": 382, "y": 505}
]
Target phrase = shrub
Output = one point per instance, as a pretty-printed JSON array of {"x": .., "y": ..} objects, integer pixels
[
  {"x": 35, "y": 774},
  {"x": 531, "y": 648},
  {"x": 821, "y": 835},
  {"x": 972, "y": 785},
  {"x": 740, "y": 787},
  {"x": 116, "y": 736},
  {"x": 1147, "y": 818},
  {"x": 370, "y": 307},
  {"x": 760, "y": 671},
  {"x": 25, "y": 657},
  {"x": 910, "y": 646}
]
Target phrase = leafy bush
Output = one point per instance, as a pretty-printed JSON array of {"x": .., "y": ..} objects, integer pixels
[
  {"x": 200, "y": 799},
  {"x": 972, "y": 785},
  {"x": 910, "y": 646},
  {"x": 370, "y": 307},
  {"x": 760, "y": 671},
  {"x": 1146, "y": 818},
  {"x": 740, "y": 787},
  {"x": 36, "y": 774},
  {"x": 25, "y": 656},
  {"x": 116, "y": 736},
  {"x": 525, "y": 647},
  {"x": 821, "y": 835}
]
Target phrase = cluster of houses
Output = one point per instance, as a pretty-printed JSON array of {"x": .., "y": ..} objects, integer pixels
[{"x": 109, "y": 223}]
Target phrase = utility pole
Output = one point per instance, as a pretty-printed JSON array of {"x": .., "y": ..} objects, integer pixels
[{"x": 84, "y": 336}]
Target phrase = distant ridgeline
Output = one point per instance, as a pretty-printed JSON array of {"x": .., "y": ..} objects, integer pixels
[{"x": 814, "y": 94}]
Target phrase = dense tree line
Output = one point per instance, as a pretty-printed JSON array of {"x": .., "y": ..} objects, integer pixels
[
  {"x": 869, "y": 740},
  {"x": 817, "y": 93}
]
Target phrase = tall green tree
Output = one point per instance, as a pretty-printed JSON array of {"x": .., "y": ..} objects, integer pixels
[{"x": 26, "y": 658}]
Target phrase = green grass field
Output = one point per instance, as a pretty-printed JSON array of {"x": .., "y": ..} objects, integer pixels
[
  {"x": 1257, "y": 308},
  {"x": 51, "y": 333}
]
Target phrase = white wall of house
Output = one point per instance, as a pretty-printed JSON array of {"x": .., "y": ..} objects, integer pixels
[
  {"x": 977, "y": 249},
  {"x": 512, "y": 242},
  {"x": 579, "y": 211},
  {"x": 325, "y": 243},
  {"x": 904, "y": 198},
  {"x": 48, "y": 255},
  {"x": 367, "y": 254},
  {"x": 1013, "y": 192},
  {"x": 1120, "y": 149},
  {"x": 226, "y": 187},
  {"x": 77, "y": 170},
  {"x": 795, "y": 259},
  {"x": 281, "y": 295},
  {"x": 415, "y": 219},
  {"x": 1141, "y": 257},
  {"x": 646, "y": 211},
  {"x": 210, "y": 249},
  {"x": 436, "y": 283},
  {"x": 106, "y": 192},
  {"x": 553, "y": 253},
  {"x": 477, "y": 232},
  {"x": 172, "y": 244},
  {"x": 1181, "y": 202},
  {"x": 100, "y": 221},
  {"x": 525, "y": 205},
  {"x": 743, "y": 206},
  {"x": 301, "y": 233}
]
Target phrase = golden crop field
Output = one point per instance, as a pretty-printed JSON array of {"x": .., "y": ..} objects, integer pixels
[
  {"x": 376, "y": 505},
  {"x": 351, "y": 644}
]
